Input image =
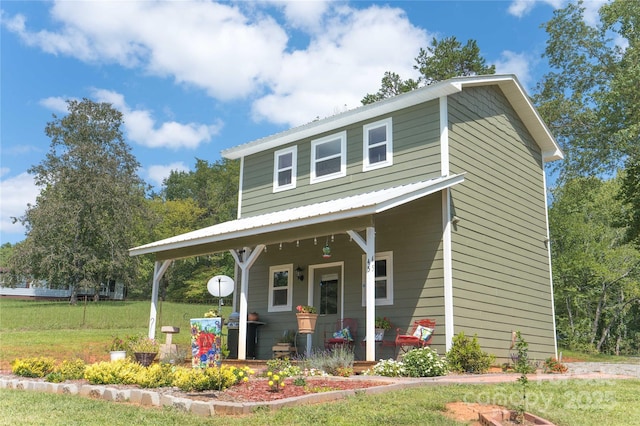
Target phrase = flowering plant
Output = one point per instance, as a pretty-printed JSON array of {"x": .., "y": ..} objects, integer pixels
[
  {"x": 145, "y": 344},
  {"x": 118, "y": 344},
  {"x": 383, "y": 323},
  {"x": 306, "y": 309}
]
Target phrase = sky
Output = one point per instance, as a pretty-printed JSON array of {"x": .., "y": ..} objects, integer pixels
[{"x": 192, "y": 78}]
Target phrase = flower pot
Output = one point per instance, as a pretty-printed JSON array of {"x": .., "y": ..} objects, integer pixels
[
  {"x": 145, "y": 358},
  {"x": 253, "y": 316},
  {"x": 117, "y": 355},
  {"x": 306, "y": 323}
]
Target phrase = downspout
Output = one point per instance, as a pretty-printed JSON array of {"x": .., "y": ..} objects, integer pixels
[
  {"x": 369, "y": 248},
  {"x": 548, "y": 244},
  {"x": 158, "y": 271},
  {"x": 447, "y": 257}
]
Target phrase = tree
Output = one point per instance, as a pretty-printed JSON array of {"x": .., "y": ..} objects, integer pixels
[
  {"x": 596, "y": 271},
  {"x": 591, "y": 100},
  {"x": 440, "y": 61},
  {"x": 91, "y": 202}
]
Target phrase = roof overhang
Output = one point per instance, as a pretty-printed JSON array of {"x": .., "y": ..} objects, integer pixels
[
  {"x": 509, "y": 84},
  {"x": 335, "y": 216}
]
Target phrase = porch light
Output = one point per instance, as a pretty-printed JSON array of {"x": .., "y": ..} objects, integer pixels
[{"x": 299, "y": 274}]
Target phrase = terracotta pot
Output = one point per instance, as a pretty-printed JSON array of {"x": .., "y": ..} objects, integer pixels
[
  {"x": 306, "y": 323},
  {"x": 253, "y": 316}
]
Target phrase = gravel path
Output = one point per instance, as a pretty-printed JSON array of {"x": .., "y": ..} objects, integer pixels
[{"x": 604, "y": 368}]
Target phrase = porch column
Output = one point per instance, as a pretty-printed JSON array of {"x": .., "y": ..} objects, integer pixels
[
  {"x": 158, "y": 271},
  {"x": 369, "y": 248},
  {"x": 244, "y": 264}
]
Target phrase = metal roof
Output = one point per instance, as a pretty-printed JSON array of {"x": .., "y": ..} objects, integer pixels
[{"x": 333, "y": 216}]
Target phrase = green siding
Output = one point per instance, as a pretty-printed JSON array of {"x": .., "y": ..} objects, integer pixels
[
  {"x": 416, "y": 156},
  {"x": 412, "y": 232},
  {"x": 501, "y": 280}
]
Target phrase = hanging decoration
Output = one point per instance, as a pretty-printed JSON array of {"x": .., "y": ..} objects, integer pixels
[{"x": 326, "y": 250}]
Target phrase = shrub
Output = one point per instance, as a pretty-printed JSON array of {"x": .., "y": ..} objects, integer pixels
[
  {"x": 199, "y": 379},
  {"x": 242, "y": 374},
  {"x": 122, "y": 372},
  {"x": 33, "y": 367},
  {"x": 387, "y": 368},
  {"x": 521, "y": 358},
  {"x": 276, "y": 381},
  {"x": 465, "y": 355},
  {"x": 155, "y": 376},
  {"x": 424, "y": 362},
  {"x": 334, "y": 362},
  {"x": 552, "y": 365},
  {"x": 71, "y": 370}
]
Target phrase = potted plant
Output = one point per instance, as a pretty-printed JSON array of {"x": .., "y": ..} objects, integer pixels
[
  {"x": 117, "y": 349},
  {"x": 307, "y": 317},
  {"x": 381, "y": 325},
  {"x": 285, "y": 345},
  {"x": 145, "y": 350}
]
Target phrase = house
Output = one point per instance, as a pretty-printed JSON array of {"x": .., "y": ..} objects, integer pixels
[
  {"x": 29, "y": 289},
  {"x": 432, "y": 205}
]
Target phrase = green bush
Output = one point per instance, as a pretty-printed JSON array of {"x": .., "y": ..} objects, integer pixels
[
  {"x": 465, "y": 355},
  {"x": 155, "y": 376},
  {"x": 424, "y": 362},
  {"x": 33, "y": 367},
  {"x": 123, "y": 372},
  {"x": 200, "y": 379},
  {"x": 521, "y": 358},
  {"x": 71, "y": 370}
]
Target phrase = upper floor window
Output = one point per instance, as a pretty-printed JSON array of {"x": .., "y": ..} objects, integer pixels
[
  {"x": 328, "y": 157},
  {"x": 280, "y": 288},
  {"x": 384, "y": 278},
  {"x": 284, "y": 169},
  {"x": 377, "y": 145}
]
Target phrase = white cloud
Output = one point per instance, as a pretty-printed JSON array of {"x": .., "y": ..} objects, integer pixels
[
  {"x": 15, "y": 193},
  {"x": 519, "y": 8},
  {"x": 236, "y": 50},
  {"x": 519, "y": 64},
  {"x": 55, "y": 103},
  {"x": 341, "y": 65},
  {"x": 157, "y": 173},
  {"x": 142, "y": 128}
]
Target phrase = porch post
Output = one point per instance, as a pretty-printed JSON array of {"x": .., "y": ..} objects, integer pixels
[
  {"x": 158, "y": 271},
  {"x": 369, "y": 248},
  {"x": 244, "y": 264}
]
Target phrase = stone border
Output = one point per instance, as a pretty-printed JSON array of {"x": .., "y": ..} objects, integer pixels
[{"x": 152, "y": 398}]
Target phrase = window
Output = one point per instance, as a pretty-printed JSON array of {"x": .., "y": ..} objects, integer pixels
[
  {"x": 384, "y": 279},
  {"x": 328, "y": 157},
  {"x": 284, "y": 169},
  {"x": 377, "y": 145},
  {"x": 280, "y": 288}
]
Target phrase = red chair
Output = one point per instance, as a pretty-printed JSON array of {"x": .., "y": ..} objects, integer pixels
[
  {"x": 345, "y": 334},
  {"x": 420, "y": 335}
]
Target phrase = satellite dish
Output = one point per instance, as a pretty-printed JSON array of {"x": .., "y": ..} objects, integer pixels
[{"x": 220, "y": 286}]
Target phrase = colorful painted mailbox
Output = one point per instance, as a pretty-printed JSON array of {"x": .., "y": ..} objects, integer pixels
[{"x": 205, "y": 342}]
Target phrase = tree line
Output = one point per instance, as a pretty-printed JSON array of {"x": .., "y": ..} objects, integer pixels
[{"x": 93, "y": 206}]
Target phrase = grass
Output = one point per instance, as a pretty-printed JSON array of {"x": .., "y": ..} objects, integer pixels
[
  {"x": 573, "y": 402},
  {"x": 64, "y": 332},
  {"x": 584, "y": 357}
]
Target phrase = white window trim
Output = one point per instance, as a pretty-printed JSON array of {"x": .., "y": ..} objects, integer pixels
[
  {"x": 294, "y": 168},
  {"x": 342, "y": 136},
  {"x": 272, "y": 270},
  {"x": 388, "y": 255},
  {"x": 366, "y": 165}
]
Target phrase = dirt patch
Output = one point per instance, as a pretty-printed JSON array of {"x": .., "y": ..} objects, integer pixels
[{"x": 468, "y": 411}]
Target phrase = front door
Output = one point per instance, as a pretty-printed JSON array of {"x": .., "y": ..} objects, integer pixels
[{"x": 327, "y": 298}]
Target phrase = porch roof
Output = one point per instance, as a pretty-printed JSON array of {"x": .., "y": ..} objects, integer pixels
[{"x": 349, "y": 213}]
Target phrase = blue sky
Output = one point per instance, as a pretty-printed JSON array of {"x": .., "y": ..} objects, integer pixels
[{"x": 194, "y": 78}]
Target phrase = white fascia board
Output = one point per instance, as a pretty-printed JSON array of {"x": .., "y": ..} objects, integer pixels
[{"x": 328, "y": 124}]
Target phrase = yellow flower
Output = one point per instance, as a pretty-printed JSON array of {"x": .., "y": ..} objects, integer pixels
[
  {"x": 246, "y": 379},
  {"x": 270, "y": 382},
  {"x": 282, "y": 384},
  {"x": 269, "y": 373},
  {"x": 276, "y": 377}
]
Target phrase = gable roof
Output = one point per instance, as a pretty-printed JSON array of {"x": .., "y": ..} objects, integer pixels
[
  {"x": 317, "y": 219},
  {"x": 509, "y": 84}
]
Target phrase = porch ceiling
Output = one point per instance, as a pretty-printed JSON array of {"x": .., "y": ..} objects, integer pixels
[{"x": 349, "y": 213}]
